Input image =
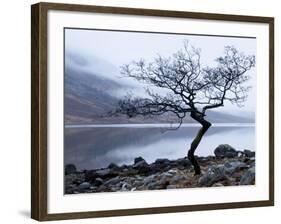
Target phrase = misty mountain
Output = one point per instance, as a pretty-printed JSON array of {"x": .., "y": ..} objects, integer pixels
[{"x": 89, "y": 97}]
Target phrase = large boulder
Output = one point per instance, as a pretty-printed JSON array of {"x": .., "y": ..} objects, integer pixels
[
  {"x": 69, "y": 169},
  {"x": 113, "y": 166},
  {"x": 162, "y": 160},
  {"x": 225, "y": 151},
  {"x": 214, "y": 174},
  {"x": 142, "y": 167},
  {"x": 249, "y": 177},
  {"x": 84, "y": 186},
  {"x": 138, "y": 159},
  {"x": 249, "y": 153}
]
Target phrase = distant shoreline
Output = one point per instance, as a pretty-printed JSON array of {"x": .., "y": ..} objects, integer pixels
[{"x": 152, "y": 125}]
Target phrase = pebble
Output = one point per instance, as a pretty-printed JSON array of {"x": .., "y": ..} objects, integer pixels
[
  {"x": 84, "y": 186},
  {"x": 165, "y": 174}
]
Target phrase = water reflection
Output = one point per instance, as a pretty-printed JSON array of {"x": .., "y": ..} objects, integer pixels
[{"x": 96, "y": 147}]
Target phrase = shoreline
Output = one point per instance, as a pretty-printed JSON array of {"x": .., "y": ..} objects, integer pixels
[
  {"x": 159, "y": 125},
  {"x": 228, "y": 167}
]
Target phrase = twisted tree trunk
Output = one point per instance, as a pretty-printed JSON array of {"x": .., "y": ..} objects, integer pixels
[{"x": 205, "y": 126}]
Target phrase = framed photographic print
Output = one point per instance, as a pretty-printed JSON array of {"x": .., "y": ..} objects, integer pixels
[{"x": 141, "y": 111}]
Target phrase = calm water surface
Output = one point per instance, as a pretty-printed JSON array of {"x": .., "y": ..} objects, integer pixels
[{"x": 95, "y": 146}]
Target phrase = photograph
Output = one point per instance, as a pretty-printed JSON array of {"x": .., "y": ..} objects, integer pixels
[
  {"x": 138, "y": 111},
  {"x": 157, "y": 111}
]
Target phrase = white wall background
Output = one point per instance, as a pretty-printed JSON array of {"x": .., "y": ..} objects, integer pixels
[{"x": 15, "y": 111}]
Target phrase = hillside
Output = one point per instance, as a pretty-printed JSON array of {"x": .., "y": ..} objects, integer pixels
[{"x": 89, "y": 97}]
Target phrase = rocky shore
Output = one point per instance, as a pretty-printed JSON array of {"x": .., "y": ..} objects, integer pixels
[{"x": 228, "y": 167}]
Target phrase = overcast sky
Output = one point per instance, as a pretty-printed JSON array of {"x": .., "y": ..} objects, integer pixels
[{"x": 106, "y": 51}]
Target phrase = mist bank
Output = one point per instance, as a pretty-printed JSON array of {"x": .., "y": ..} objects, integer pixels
[{"x": 92, "y": 93}]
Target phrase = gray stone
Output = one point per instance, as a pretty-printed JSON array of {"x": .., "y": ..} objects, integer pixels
[
  {"x": 225, "y": 151},
  {"x": 176, "y": 179},
  {"x": 138, "y": 183},
  {"x": 97, "y": 181},
  {"x": 126, "y": 187},
  {"x": 248, "y": 177},
  {"x": 138, "y": 177},
  {"x": 71, "y": 188},
  {"x": 113, "y": 181},
  {"x": 203, "y": 159},
  {"x": 84, "y": 186},
  {"x": 233, "y": 166},
  {"x": 102, "y": 188},
  {"x": 140, "y": 164},
  {"x": 167, "y": 174},
  {"x": 77, "y": 181},
  {"x": 142, "y": 167},
  {"x": 148, "y": 179},
  {"x": 249, "y": 153},
  {"x": 90, "y": 175},
  {"x": 105, "y": 173},
  {"x": 252, "y": 164},
  {"x": 172, "y": 171},
  {"x": 162, "y": 161},
  {"x": 213, "y": 174},
  {"x": 153, "y": 185},
  {"x": 69, "y": 169},
  {"x": 158, "y": 184},
  {"x": 119, "y": 184},
  {"x": 138, "y": 159},
  {"x": 93, "y": 188},
  {"x": 114, "y": 189},
  {"x": 217, "y": 185},
  {"x": 112, "y": 166}
]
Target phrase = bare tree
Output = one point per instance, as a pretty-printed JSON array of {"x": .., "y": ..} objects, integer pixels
[{"x": 190, "y": 88}]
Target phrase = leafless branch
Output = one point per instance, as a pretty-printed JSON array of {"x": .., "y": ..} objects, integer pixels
[{"x": 191, "y": 87}]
